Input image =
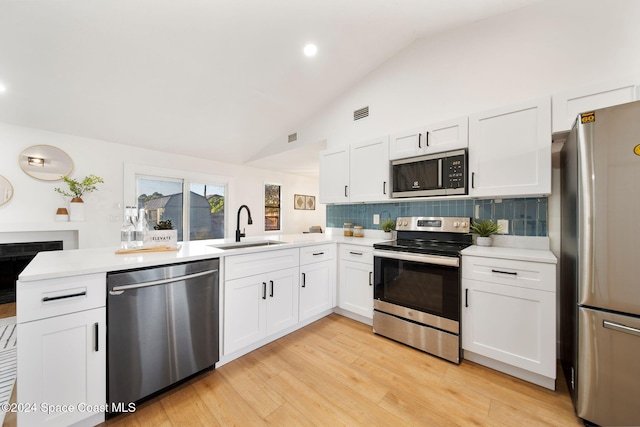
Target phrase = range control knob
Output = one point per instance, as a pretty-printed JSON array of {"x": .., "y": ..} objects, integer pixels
[
  {"x": 456, "y": 224},
  {"x": 464, "y": 224}
]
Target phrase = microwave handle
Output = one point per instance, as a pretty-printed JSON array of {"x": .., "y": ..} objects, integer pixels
[{"x": 439, "y": 173}]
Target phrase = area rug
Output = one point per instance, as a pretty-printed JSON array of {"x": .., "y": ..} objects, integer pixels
[{"x": 8, "y": 362}]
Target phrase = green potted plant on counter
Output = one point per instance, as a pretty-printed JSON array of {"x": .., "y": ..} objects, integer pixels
[
  {"x": 388, "y": 225},
  {"x": 77, "y": 189},
  {"x": 484, "y": 229}
]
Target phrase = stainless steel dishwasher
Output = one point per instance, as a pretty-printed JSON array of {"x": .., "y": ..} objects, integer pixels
[{"x": 162, "y": 327}]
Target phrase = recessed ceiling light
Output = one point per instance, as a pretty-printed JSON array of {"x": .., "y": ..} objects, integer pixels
[
  {"x": 310, "y": 49},
  {"x": 2, "y": 88}
]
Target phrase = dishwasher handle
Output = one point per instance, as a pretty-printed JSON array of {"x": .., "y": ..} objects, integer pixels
[{"x": 119, "y": 290}]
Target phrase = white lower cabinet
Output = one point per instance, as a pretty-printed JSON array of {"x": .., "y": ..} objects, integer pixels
[
  {"x": 62, "y": 351},
  {"x": 317, "y": 280},
  {"x": 355, "y": 293},
  {"x": 258, "y": 306},
  {"x": 61, "y": 369},
  {"x": 509, "y": 317}
]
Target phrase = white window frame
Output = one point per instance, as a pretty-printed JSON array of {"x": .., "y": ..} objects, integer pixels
[{"x": 132, "y": 171}]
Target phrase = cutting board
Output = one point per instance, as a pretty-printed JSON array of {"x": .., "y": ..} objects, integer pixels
[{"x": 149, "y": 249}]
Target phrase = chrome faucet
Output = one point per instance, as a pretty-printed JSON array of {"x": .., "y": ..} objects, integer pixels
[{"x": 250, "y": 221}]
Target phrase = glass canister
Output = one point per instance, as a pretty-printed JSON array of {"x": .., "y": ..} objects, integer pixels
[
  {"x": 348, "y": 229},
  {"x": 358, "y": 231}
]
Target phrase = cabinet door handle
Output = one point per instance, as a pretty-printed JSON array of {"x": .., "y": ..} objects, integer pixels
[
  {"x": 271, "y": 292},
  {"x": 426, "y": 137},
  {"x": 473, "y": 180},
  {"x": 304, "y": 280},
  {"x": 345, "y": 191},
  {"x": 384, "y": 187},
  {"x": 355, "y": 253},
  {"x": 511, "y": 273},
  {"x": 419, "y": 140},
  {"x": 466, "y": 297},
  {"x": 318, "y": 253},
  {"x": 96, "y": 337},
  {"x": 371, "y": 278},
  {"x": 79, "y": 294},
  {"x": 264, "y": 290}
]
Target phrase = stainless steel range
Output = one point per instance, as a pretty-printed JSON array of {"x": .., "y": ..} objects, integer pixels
[{"x": 417, "y": 284}]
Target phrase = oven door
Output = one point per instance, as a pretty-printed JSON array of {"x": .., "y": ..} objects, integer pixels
[{"x": 426, "y": 283}]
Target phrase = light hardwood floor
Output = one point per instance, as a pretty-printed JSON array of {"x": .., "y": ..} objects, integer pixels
[
  {"x": 9, "y": 310},
  {"x": 336, "y": 372}
]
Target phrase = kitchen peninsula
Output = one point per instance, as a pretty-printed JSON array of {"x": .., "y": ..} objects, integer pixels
[{"x": 62, "y": 313}]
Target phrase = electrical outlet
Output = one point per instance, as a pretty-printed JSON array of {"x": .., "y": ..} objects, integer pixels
[
  {"x": 504, "y": 226},
  {"x": 376, "y": 219}
]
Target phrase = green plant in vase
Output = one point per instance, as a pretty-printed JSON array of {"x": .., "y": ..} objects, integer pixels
[
  {"x": 77, "y": 189},
  {"x": 388, "y": 225},
  {"x": 484, "y": 229}
]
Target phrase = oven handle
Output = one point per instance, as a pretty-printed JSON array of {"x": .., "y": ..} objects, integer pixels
[{"x": 425, "y": 259}]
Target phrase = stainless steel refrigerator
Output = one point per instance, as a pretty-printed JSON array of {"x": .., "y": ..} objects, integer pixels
[{"x": 600, "y": 265}]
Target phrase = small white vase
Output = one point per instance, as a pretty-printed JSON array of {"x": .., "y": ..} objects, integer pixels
[
  {"x": 484, "y": 241},
  {"x": 76, "y": 210}
]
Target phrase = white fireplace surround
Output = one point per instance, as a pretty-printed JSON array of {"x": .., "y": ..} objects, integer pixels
[{"x": 73, "y": 235}]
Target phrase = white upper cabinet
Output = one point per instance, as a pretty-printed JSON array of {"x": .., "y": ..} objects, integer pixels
[
  {"x": 334, "y": 176},
  {"x": 567, "y": 105},
  {"x": 369, "y": 170},
  {"x": 433, "y": 138},
  {"x": 510, "y": 150}
]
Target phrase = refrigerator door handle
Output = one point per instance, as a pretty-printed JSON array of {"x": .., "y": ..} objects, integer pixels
[{"x": 621, "y": 328}]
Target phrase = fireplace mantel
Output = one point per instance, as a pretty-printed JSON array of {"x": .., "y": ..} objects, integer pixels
[{"x": 73, "y": 234}]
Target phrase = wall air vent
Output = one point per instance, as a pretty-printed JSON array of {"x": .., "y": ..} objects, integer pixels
[
  {"x": 361, "y": 113},
  {"x": 293, "y": 137}
]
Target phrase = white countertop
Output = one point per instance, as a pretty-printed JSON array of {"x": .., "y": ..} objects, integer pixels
[
  {"x": 519, "y": 254},
  {"x": 55, "y": 264}
]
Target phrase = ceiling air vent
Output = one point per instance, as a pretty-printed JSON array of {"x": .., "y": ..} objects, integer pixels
[
  {"x": 293, "y": 137},
  {"x": 361, "y": 113}
]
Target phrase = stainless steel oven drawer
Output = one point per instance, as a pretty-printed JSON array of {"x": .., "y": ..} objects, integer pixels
[{"x": 430, "y": 340}]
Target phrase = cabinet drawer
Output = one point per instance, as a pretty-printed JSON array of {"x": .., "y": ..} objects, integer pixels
[
  {"x": 526, "y": 274},
  {"x": 237, "y": 266},
  {"x": 311, "y": 254},
  {"x": 54, "y": 297},
  {"x": 356, "y": 253}
]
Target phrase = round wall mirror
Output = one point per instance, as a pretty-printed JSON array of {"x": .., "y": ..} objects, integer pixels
[
  {"x": 6, "y": 190},
  {"x": 45, "y": 162}
]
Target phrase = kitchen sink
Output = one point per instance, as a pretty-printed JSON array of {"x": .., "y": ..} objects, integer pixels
[{"x": 240, "y": 245}]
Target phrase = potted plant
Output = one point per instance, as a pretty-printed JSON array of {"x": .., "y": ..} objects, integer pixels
[
  {"x": 484, "y": 229},
  {"x": 77, "y": 189},
  {"x": 388, "y": 225},
  {"x": 162, "y": 234}
]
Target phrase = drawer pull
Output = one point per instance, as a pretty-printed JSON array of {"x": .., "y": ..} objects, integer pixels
[
  {"x": 96, "y": 337},
  {"x": 318, "y": 253},
  {"x": 511, "y": 273},
  {"x": 79, "y": 294},
  {"x": 355, "y": 253}
]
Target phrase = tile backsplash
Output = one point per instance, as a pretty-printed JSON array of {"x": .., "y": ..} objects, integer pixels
[{"x": 527, "y": 216}]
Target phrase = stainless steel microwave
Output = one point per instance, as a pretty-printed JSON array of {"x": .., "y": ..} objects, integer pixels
[{"x": 439, "y": 174}]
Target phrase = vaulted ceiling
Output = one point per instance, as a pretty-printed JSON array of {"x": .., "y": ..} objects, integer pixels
[{"x": 217, "y": 79}]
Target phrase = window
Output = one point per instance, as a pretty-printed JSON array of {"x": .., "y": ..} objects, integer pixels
[
  {"x": 271, "y": 207},
  {"x": 199, "y": 212}
]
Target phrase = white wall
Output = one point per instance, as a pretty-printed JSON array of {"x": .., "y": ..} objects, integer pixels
[
  {"x": 547, "y": 48},
  {"x": 543, "y": 49},
  {"x": 34, "y": 202}
]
